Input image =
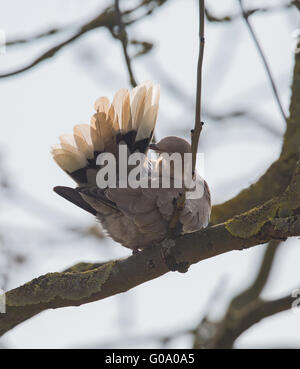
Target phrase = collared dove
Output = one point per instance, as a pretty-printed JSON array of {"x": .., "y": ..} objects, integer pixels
[{"x": 134, "y": 217}]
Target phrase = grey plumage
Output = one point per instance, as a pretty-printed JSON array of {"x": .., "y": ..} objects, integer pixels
[{"x": 134, "y": 217}]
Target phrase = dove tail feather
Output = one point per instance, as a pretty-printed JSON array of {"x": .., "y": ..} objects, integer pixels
[
  {"x": 73, "y": 196},
  {"x": 129, "y": 119}
]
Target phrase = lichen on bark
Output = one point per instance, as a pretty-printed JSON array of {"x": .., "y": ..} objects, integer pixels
[
  {"x": 67, "y": 286},
  {"x": 250, "y": 223}
]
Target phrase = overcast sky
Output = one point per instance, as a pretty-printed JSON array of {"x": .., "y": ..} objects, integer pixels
[{"x": 41, "y": 104}]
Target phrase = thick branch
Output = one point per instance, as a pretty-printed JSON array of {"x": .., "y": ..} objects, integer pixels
[
  {"x": 86, "y": 283},
  {"x": 74, "y": 288}
]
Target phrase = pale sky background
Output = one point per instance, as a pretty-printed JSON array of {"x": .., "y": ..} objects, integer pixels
[{"x": 39, "y": 105}]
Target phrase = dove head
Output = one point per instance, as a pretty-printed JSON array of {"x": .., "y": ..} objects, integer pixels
[{"x": 170, "y": 145}]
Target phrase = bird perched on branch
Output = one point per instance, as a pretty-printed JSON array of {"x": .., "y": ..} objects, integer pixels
[{"x": 134, "y": 216}]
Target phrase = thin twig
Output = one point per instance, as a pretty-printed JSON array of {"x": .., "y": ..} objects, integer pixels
[
  {"x": 195, "y": 133},
  {"x": 48, "y": 54},
  {"x": 38, "y": 36},
  {"x": 104, "y": 19},
  {"x": 124, "y": 40},
  {"x": 264, "y": 60},
  {"x": 198, "y": 125},
  {"x": 232, "y": 17}
]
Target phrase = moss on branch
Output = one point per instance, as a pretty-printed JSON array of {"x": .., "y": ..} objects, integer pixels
[
  {"x": 66, "y": 286},
  {"x": 251, "y": 222},
  {"x": 55, "y": 290}
]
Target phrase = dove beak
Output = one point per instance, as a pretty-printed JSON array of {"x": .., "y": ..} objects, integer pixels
[{"x": 153, "y": 146}]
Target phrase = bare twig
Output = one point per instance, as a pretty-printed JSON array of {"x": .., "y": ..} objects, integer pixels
[
  {"x": 142, "y": 47},
  {"x": 264, "y": 60},
  {"x": 38, "y": 36},
  {"x": 122, "y": 35},
  {"x": 195, "y": 133},
  {"x": 48, "y": 54},
  {"x": 198, "y": 125},
  {"x": 228, "y": 18},
  {"x": 106, "y": 18}
]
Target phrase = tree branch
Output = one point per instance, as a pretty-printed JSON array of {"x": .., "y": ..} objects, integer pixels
[
  {"x": 240, "y": 321},
  {"x": 38, "y": 36},
  {"x": 106, "y": 19},
  {"x": 244, "y": 310},
  {"x": 46, "y": 55},
  {"x": 279, "y": 174},
  {"x": 229, "y": 18},
  {"x": 87, "y": 282},
  {"x": 276, "y": 219}
]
